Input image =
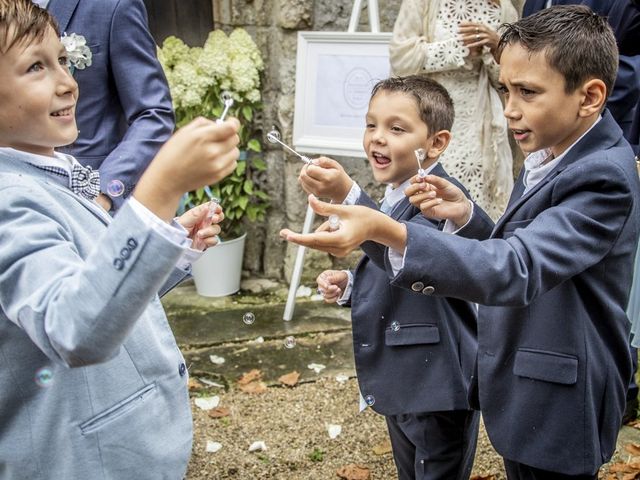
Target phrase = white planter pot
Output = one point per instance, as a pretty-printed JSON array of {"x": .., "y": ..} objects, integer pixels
[{"x": 217, "y": 273}]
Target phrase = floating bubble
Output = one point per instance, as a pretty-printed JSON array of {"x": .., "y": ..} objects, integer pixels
[
  {"x": 249, "y": 318},
  {"x": 44, "y": 377},
  {"x": 273, "y": 136},
  {"x": 289, "y": 342},
  {"x": 115, "y": 188},
  {"x": 395, "y": 326},
  {"x": 369, "y": 400}
]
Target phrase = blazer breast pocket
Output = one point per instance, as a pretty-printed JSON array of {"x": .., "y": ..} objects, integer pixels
[
  {"x": 411, "y": 334},
  {"x": 547, "y": 366},
  {"x": 510, "y": 227}
]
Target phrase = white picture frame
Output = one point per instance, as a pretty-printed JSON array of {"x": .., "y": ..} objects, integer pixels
[{"x": 335, "y": 72}]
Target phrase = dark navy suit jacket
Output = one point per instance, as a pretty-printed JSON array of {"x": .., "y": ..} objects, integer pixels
[
  {"x": 414, "y": 352},
  {"x": 124, "y": 112},
  {"x": 553, "y": 282},
  {"x": 623, "y": 16}
]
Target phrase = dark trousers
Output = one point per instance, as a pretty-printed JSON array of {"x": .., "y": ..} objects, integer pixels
[
  {"x": 435, "y": 445},
  {"x": 519, "y": 471}
]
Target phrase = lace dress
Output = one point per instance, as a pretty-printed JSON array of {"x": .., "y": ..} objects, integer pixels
[{"x": 479, "y": 154}]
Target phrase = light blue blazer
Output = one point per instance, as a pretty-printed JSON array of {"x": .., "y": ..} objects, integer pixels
[{"x": 92, "y": 384}]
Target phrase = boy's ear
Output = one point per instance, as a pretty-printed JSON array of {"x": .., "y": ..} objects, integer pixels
[
  {"x": 594, "y": 96},
  {"x": 439, "y": 142}
]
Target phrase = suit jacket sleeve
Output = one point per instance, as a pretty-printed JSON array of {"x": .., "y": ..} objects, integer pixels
[
  {"x": 590, "y": 205},
  {"x": 78, "y": 309},
  {"x": 143, "y": 93}
]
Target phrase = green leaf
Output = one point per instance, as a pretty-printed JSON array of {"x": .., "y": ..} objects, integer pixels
[
  {"x": 243, "y": 201},
  {"x": 247, "y": 112},
  {"x": 241, "y": 168},
  {"x": 258, "y": 164},
  {"x": 254, "y": 145},
  {"x": 248, "y": 187}
]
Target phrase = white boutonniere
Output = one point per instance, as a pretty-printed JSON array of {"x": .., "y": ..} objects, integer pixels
[{"x": 77, "y": 50}]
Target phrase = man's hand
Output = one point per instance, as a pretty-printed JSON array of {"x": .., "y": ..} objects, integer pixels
[
  {"x": 439, "y": 199},
  {"x": 326, "y": 178},
  {"x": 331, "y": 284}
]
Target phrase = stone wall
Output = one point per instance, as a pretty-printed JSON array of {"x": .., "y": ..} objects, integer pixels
[{"x": 274, "y": 25}]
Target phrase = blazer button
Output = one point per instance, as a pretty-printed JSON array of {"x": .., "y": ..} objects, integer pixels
[
  {"x": 417, "y": 286},
  {"x": 182, "y": 369},
  {"x": 428, "y": 290},
  {"x": 132, "y": 243},
  {"x": 125, "y": 253},
  {"x": 118, "y": 263}
]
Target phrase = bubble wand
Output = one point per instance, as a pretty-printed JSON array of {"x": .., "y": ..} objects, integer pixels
[{"x": 274, "y": 137}]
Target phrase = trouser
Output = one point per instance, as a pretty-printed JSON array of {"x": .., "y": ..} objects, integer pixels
[
  {"x": 434, "y": 445},
  {"x": 520, "y": 471}
]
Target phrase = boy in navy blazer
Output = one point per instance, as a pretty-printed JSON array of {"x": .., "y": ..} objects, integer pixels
[
  {"x": 92, "y": 383},
  {"x": 553, "y": 279},
  {"x": 414, "y": 352}
]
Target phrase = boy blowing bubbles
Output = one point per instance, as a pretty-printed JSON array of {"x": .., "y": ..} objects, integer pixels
[
  {"x": 92, "y": 382},
  {"x": 552, "y": 280}
]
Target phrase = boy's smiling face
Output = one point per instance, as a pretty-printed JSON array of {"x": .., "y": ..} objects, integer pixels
[
  {"x": 38, "y": 96},
  {"x": 394, "y": 131},
  {"x": 540, "y": 113}
]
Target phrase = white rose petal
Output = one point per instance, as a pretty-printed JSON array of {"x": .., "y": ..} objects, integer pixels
[
  {"x": 334, "y": 430},
  {"x": 215, "y": 359},
  {"x": 257, "y": 446},
  {"x": 207, "y": 403},
  {"x": 213, "y": 447},
  {"x": 316, "y": 367}
]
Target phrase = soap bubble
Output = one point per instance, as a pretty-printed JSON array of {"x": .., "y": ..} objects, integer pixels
[
  {"x": 44, "y": 377},
  {"x": 395, "y": 326},
  {"x": 115, "y": 188},
  {"x": 334, "y": 222},
  {"x": 249, "y": 318},
  {"x": 273, "y": 136},
  {"x": 289, "y": 342}
]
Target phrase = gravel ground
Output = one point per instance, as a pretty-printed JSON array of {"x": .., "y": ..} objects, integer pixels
[{"x": 292, "y": 422}]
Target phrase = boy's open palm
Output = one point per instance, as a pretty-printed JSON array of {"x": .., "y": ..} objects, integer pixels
[{"x": 326, "y": 178}]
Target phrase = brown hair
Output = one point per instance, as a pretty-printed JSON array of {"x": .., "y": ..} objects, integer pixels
[
  {"x": 576, "y": 42},
  {"x": 22, "y": 21},
  {"x": 432, "y": 99}
]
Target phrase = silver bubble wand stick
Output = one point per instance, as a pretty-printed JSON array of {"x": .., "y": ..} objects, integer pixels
[
  {"x": 227, "y": 101},
  {"x": 274, "y": 137},
  {"x": 420, "y": 156}
]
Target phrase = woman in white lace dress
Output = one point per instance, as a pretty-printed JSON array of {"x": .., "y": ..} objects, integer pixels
[{"x": 453, "y": 41}]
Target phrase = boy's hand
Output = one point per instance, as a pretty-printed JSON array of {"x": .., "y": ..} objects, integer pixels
[
  {"x": 203, "y": 229},
  {"x": 357, "y": 224},
  {"x": 200, "y": 153},
  {"x": 439, "y": 199},
  {"x": 326, "y": 178},
  {"x": 331, "y": 284}
]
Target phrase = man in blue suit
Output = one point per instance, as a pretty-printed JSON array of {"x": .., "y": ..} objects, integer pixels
[{"x": 124, "y": 111}]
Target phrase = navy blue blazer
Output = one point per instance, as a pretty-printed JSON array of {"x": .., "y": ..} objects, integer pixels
[
  {"x": 124, "y": 111},
  {"x": 413, "y": 352},
  {"x": 553, "y": 280},
  {"x": 623, "y": 16}
]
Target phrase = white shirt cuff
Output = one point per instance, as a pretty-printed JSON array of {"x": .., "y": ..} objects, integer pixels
[
  {"x": 450, "y": 227},
  {"x": 353, "y": 196},
  {"x": 173, "y": 232},
  {"x": 346, "y": 295}
]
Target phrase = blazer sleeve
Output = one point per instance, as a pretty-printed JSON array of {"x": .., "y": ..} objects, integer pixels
[
  {"x": 143, "y": 93},
  {"x": 410, "y": 52},
  {"x": 77, "y": 306},
  {"x": 587, "y": 214}
]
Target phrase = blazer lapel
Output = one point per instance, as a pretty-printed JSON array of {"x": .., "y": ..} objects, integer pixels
[{"x": 62, "y": 10}]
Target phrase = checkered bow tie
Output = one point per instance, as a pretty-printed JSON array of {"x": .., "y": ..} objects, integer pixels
[{"x": 84, "y": 181}]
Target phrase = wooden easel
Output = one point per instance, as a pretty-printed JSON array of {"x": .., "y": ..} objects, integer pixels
[{"x": 374, "y": 23}]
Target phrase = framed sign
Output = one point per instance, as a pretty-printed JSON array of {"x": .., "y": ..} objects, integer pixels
[{"x": 335, "y": 73}]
